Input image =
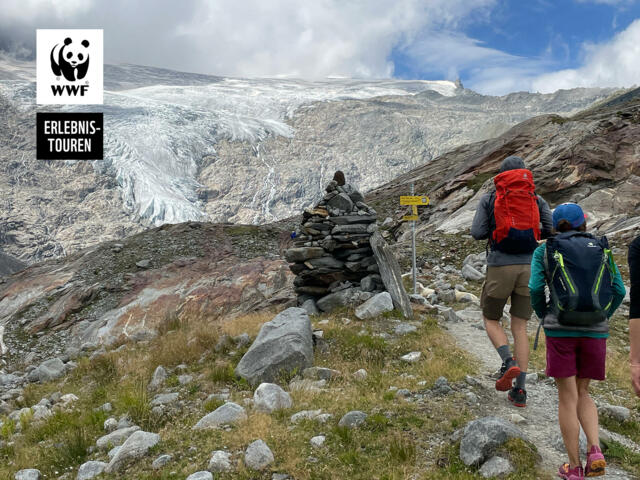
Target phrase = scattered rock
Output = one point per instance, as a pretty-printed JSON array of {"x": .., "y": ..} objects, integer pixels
[
  {"x": 158, "y": 379},
  {"x": 390, "y": 273},
  {"x": 136, "y": 446},
  {"x": 496, "y": 467},
  {"x": 310, "y": 307},
  {"x": 116, "y": 438},
  {"x": 618, "y": 413},
  {"x": 353, "y": 419},
  {"x": 283, "y": 345},
  {"x": 258, "y": 455},
  {"x": 470, "y": 273},
  {"x": 161, "y": 461},
  {"x": 450, "y": 315},
  {"x": 269, "y": 397},
  {"x": 28, "y": 474},
  {"x": 144, "y": 264},
  {"x": 404, "y": 329},
  {"x": 377, "y": 305},
  {"x": 203, "y": 475},
  {"x": 47, "y": 371},
  {"x": 317, "y": 441},
  {"x": 517, "y": 419},
  {"x": 481, "y": 437},
  {"x": 320, "y": 373},
  {"x": 411, "y": 357},
  {"x": 90, "y": 469},
  {"x": 307, "y": 385},
  {"x": 441, "y": 386},
  {"x": 164, "y": 399},
  {"x": 360, "y": 374},
  {"x": 227, "y": 414},
  {"x": 220, "y": 462}
]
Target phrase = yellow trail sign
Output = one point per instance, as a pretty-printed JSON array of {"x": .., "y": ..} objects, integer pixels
[
  {"x": 414, "y": 218},
  {"x": 414, "y": 200}
]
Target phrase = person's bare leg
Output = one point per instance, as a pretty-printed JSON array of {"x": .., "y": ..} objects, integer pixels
[
  {"x": 568, "y": 417},
  {"x": 495, "y": 332},
  {"x": 587, "y": 413},
  {"x": 521, "y": 342}
]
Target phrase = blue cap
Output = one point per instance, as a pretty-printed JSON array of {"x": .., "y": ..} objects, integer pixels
[{"x": 571, "y": 212}]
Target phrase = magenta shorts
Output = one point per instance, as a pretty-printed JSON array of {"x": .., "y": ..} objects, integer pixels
[{"x": 583, "y": 357}]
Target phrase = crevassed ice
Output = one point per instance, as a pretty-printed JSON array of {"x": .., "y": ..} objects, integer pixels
[{"x": 155, "y": 137}]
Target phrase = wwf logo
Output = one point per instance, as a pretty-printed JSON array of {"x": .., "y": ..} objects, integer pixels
[{"x": 70, "y": 59}]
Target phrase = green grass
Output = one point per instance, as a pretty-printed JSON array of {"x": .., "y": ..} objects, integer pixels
[{"x": 622, "y": 456}]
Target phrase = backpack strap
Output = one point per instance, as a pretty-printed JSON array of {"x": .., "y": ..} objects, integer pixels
[
  {"x": 547, "y": 276},
  {"x": 492, "y": 221}
]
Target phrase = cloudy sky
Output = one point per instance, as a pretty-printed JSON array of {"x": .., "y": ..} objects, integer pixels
[{"x": 494, "y": 46}]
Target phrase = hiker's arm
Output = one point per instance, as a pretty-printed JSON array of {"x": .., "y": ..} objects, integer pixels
[
  {"x": 634, "y": 314},
  {"x": 634, "y": 355},
  {"x": 546, "y": 218},
  {"x": 619, "y": 292},
  {"x": 537, "y": 282},
  {"x": 480, "y": 226}
]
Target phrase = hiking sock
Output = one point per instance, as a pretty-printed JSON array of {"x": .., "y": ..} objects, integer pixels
[
  {"x": 505, "y": 354},
  {"x": 521, "y": 380}
]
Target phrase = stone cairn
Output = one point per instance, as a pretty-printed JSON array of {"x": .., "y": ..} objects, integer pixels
[{"x": 331, "y": 255}]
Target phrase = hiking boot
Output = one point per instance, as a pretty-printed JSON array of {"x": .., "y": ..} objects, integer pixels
[
  {"x": 518, "y": 396},
  {"x": 595, "y": 462},
  {"x": 567, "y": 473},
  {"x": 507, "y": 374}
]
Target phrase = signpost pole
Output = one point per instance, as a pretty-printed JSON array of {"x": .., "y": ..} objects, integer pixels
[{"x": 413, "y": 247}]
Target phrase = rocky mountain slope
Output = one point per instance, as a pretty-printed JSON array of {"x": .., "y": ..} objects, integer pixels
[
  {"x": 181, "y": 147},
  {"x": 590, "y": 158}
]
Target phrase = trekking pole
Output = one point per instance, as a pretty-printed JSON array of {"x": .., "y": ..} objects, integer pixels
[{"x": 413, "y": 248}]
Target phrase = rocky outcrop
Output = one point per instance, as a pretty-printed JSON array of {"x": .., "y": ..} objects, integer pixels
[
  {"x": 588, "y": 159},
  {"x": 331, "y": 251},
  {"x": 283, "y": 345},
  {"x": 100, "y": 295}
]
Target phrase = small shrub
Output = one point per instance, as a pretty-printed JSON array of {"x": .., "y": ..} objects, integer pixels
[
  {"x": 222, "y": 373},
  {"x": 212, "y": 404}
]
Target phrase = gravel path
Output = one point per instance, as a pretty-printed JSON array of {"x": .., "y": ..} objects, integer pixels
[{"x": 541, "y": 425}]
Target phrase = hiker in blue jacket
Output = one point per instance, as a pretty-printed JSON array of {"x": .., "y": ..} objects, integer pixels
[{"x": 585, "y": 290}]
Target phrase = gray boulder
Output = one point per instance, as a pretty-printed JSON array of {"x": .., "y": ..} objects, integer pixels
[
  {"x": 470, "y": 273},
  {"x": 203, "y": 475},
  {"x": 158, "y": 379},
  {"x": 90, "y": 469},
  {"x": 481, "y": 437},
  {"x": 616, "y": 412},
  {"x": 258, "y": 456},
  {"x": 310, "y": 307},
  {"x": 161, "y": 461},
  {"x": 283, "y": 345},
  {"x": 116, "y": 438},
  {"x": 390, "y": 273},
  {"x": 220, "y": 462},
  {"x": 269, "y": 397},
  {"x": 227, "y": 414},
  {"x": 28, "y": 474},
  {"x": 136, "y": 447},
  {"x": 496, "y": 467},
  {"x": 377, "y": 305},
  {"x": 404, "y": 329},
  {"x": 164, "y": 398},
  {"x": 353, "y": 419},
  {"x": 48, "y": 370},
  {"x": 348, "y": 297}
]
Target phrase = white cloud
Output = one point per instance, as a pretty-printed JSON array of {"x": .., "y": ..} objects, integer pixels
[
  {"x": 247, "y": 37},
  {"x": 611, "y": 64}
]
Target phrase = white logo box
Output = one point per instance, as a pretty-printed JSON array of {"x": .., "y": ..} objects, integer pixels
[{"x": 69, "y": 72}]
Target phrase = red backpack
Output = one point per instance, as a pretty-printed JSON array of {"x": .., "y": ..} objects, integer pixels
[{"x": 516, "y": 213}]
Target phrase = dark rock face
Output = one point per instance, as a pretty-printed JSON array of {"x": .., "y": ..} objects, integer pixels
[
  {"x": 331, "y": 255},
  {"x": 9, "y": 264}
]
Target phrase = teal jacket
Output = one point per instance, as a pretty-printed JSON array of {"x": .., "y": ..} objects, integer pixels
[{"x": 537, "y": 282}]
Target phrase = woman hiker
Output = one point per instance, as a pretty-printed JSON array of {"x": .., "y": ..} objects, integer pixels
[
  {"x": 634, "y": 313},
  {"x": 586, "y": 288}
]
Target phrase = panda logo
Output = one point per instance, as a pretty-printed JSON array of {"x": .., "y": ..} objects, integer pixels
[{"x": 70, "y": 60}]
